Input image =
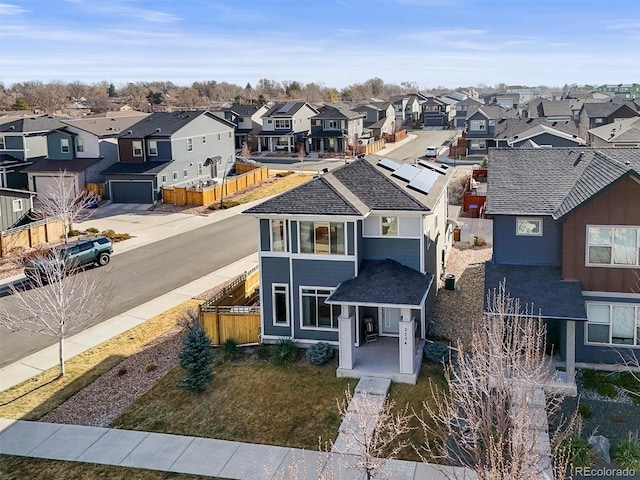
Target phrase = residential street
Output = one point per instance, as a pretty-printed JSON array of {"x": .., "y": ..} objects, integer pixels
[{"x": 150, "y": 271}]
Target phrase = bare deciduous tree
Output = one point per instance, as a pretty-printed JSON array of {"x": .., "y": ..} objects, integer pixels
[
  {"x": 493, "y": 417},
  {"x": 58, "y": 302},
  {"x": 62, "y": 200}
]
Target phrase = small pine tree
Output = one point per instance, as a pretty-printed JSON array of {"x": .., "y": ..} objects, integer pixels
[{"x": 195, "y": 359}]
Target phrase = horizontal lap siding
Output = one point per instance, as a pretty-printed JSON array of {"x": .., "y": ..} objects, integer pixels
[
  {"x": 512, "y": 249},
  {"x": 403, "y": 250},
  {"x": 273, "y": 270}
]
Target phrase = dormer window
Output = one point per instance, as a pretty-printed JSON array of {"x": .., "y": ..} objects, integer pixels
[
  {"x": 64, "y": 145},
  {"x": 152, "y": 147},
  {"x": 137, "y": 148},
  {"x": 79, "y": 145}
]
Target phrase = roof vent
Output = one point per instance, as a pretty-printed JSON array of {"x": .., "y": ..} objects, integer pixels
[
  {"x": 627, "y": 163},
  {"x": 129, "y": 132},
  {"x": 158, "y": 130},
  {"x": 12, "y": 127}
]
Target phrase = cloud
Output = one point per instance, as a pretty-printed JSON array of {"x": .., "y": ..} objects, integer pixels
[{"x": 9, "y": 9}]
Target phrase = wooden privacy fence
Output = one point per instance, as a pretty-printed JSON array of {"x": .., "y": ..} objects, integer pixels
[
  {"x": 96, "y": 189},
  {"x": 225, "y": 315},
  {"x": 208, "y": 195},
  {"x": 31, "y": 235},
  {"x": 370, "y": 147},
  {"x": 395, "y": 137}
]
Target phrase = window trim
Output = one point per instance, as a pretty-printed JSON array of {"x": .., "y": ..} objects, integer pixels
[
  {"x": 315, "y": 252},
  {"x": 611, "y": 264},
  {"x": 189, "y": 144},
  {"x": 163, "y": 179},
  {"x": 316, "y": 288},
  {"x": 200, "y": 171},
  {"x": 636, "y": 327},
  {"x": 17, "y": 201},
  {"x": 185, "y": 172},
  {"x": 175, "y": 175},
  {"x": 79, "y": 145},
  {"x": 152, "y": 146},
  {"x": 273, "y": 305},
  {"x": 135, "y": 143},
  {"x": 397, "y": 219},
  {"x": 284, "y": 231},
  {"x": 64, "y": 145},
  {"x": 523, "y": 233},
  {"x": 3, "y": 142},
  {"x": 278, "y": 125}
]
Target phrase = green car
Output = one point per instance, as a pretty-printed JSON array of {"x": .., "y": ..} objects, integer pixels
[{"x": 64, "y": 259}]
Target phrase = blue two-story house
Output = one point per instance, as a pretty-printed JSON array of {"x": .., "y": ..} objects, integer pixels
[
  {"x": 184, "y": 148},
  {"x": 337, "y": 128},
  {"x": 566, "y": 230},
  {"x": 362, "y": 244}
]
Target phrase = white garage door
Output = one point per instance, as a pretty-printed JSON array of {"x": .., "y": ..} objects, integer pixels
[{"x": 46, "y": 185}]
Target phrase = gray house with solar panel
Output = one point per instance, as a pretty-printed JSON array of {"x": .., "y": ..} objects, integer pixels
[
  {"x": 285, "y": 126},
  {"x": 356, "y": 254}
]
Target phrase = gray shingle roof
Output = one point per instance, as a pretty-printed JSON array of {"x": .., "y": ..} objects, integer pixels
[
  {"x": 339, "y": 112},
  {"x": 509, "y": 127},
  {"x": 43, "y": 123},
  {"x": 553, "y": 181},
  {"x": 604, "y": 109},
  {"x": 146, "y": 168},
  {"x": 541, "y": 288},
  {"x": 291, "y": 111},
  {"x": 106, "y": 126},
  {"x": 74, "y": 165},
  {"x": 164, "y": 124},
  {"x": 384, "y": 282}
]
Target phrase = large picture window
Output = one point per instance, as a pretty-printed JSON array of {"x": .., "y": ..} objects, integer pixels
[
  {"x": 613, "y": 246},
  {"x": 283, "y": 123},
  {"x": 316, "y": 313},
  {"x": 280, "y": 296},
  {"x": 322, "y": 237},
  {"x": 389, "y": 226},
  {"x": 613, "y": 324},
  {"x": 278, "y": 236},
  {"x": 528, "y": 226}
]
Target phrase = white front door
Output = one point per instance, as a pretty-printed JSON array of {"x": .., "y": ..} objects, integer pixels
[{"x": 390, "y": 317}]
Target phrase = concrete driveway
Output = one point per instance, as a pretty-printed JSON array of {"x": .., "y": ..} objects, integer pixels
[{"x": 111, "y": 209}]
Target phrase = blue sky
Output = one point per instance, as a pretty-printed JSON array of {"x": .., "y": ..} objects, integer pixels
[{"x": 334, "y": 42}]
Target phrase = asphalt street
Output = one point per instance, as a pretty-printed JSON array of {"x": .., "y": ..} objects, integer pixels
[{"x": 145, "y": 273}]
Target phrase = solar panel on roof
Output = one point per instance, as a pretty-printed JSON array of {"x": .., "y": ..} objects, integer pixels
[
  {"x": 286, "y": 107},
  {"x": 406, "y": 172},
  {"x": 441, "y": 169},
  {"x": 389, "y": 164},
  {"x": 423, "y": 181}
]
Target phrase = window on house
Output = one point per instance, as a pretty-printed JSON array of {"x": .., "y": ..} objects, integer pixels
[
  {"x": 478, "y": 144},
  {"x": 64, "y": 145},
  {"x": 18, "y": 205},
  {"x": 204, "y": 139},
  {"x": 230, "y": 134},
  {"x": 137, "y": 148},
  {"x": 613, "y": 324},
  {"x": 2, "y": 144},
  {"x": 280, "y": 295},
  {"x": 79, "y": 145},
  {"x": 219, "y": 137},
  {"x": 389, "y": 226},
  {"x": 598, "y": 120},
  {"x": 164, "y": 178},
  {"x": 284, "y": 123},
  {"x": 478, "y": 125},
  {"x": 529, "y": 226},
  {"x": 332, "y": 125},
  {"x": 185, "y": 173},
  {"x": 189, "y": 144},
  {"x": 613, "y": 246},
  {"x": 315, "y": 312},
  {"x": 322, "y": 237},
  {"x": 199, "y": 169},
  {"x": 152, "y": 147},
  {"x": 175, "y": 175},
  {"x": 278, "y": 236}
]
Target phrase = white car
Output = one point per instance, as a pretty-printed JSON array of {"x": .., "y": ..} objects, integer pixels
[{"x": 431, "y": 152}]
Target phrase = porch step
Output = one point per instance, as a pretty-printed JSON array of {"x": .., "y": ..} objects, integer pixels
[{"x": 362, "y": 415}]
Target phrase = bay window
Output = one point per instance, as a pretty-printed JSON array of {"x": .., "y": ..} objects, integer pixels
[
  {"x": 613, "y": 246},
  {"x": 322, "y": 237},
  {"x": 315, "y": 312}
]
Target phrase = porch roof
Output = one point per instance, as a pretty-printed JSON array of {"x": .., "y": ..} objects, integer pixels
[
  {"x": 384, "y": 283},
  {"x": 541, "y": 288}
]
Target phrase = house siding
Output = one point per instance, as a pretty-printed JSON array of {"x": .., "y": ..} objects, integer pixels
[
  {"x": 8, "y": 217},
  {"x": 125, "y": 150},
  {"x": 54, "y": 148},
  {"x": 273, "y": 270},
  {"x": 512, "y": 249},
  {"x": 403, "y": 250},
  {"x": 617, "y": 205},
  {"x": 265, "y": 235}
]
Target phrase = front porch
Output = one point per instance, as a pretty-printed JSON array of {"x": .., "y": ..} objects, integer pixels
[{"x": 380, "y": 359}]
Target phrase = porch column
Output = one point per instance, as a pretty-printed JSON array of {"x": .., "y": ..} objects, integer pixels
[
  {"x": 345, "y": 338},
  {"x": 570, "y": 357},
  {"x": 259, "y": 144},
  {"x": 407, "y": 342},
  {"x": 289, "y": 144}
]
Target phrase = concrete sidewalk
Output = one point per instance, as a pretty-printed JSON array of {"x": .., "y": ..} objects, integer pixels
[
  {"x": 194, "y": 455},
  {"x": 47, "y": 358}
]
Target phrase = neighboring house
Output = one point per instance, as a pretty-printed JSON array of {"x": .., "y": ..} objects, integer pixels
[
  {"x": 525, "y": 94},
  {"x": 536, "y": 132},
  {"x": 554, "y": 110},
  {"x": 462, "y": 110},
  {"x": 407, "y": 109},
  {"x": 481, "y": 128},
  {"x": 336, "y": 128},
  {"x": 23, "y": 141},
  {"x": 366, "y": 240},
  {"x": 379, "y": 118},
  {"x": 184, "y": 148},
  {"x": 248, "y": 122},
  {"x": 435, "y": 112},
  {"x": 82, "y": 149},
  {"x": 620, "y": 133},
  {"x": 597, "y": 114},
  {"x": 15, "y": 206},
  {"x": 566, "y": 230},
  {"x": 622, "y": 90},
  {"x": 284, "y": 125},
  {"x": 507, "y": 100}
]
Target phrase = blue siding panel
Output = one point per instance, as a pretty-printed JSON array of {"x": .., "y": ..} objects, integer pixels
[
  {"x": 403, "y": 250},
  {"x": 350, "y": 239},
  {"x": 54, "y": 150},
  {"x": 265, "y": 235},
  {"x": 273, "y": 270},
  {"x": 512, "y": 249},
  {"x": 294, "y": 236}
]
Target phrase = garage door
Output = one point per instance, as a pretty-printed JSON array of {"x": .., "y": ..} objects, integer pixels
[
  {"x": 434, "y": 122},
  {"x": 131, "y": 192},
  {"x": 46, "y": 186}
]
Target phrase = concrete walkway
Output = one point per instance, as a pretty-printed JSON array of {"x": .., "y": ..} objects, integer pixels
[
  {"x": 194, "y": 455},
  {"x": 362, "y": 415}
]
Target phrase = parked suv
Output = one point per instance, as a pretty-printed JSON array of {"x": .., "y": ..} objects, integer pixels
[
  {"x": 74, "y": 255},
  {"x": 431, "y": 152}
]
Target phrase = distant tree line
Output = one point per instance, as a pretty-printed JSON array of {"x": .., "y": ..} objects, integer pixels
[{"x": 57, "y": 96}]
